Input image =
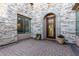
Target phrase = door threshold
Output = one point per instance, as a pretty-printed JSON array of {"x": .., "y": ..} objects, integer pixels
[{"x": 50, "y": 38}]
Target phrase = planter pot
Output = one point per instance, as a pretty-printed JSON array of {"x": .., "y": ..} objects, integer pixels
[
  {"x": 77, "y": 41},
  {"x": 38, "y": 36},
  {"x": 60, "y": 40}
]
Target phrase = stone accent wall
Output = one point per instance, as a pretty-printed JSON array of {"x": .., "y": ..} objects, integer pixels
[
  {"x": 8, "y": 24},
  {"x": 8, "y": 20},
  {"x": 26, "y": 10},
  {"x": 68, "y": 23},
  {"x": 65, "y": 17},
  {"x": 2, "y": 9},
  {"x": 65, "y": 20}
]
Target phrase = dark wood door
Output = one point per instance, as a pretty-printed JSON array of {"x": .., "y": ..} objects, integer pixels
[{"x": 50, "y": 27}]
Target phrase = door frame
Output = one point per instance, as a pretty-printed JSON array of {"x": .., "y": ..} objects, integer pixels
[{"x": 47, "y": 25}]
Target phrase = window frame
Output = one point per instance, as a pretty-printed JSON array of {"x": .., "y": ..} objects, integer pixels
[
  {"x": 77, "y": 22},
  {"x": 29, "y": 21}
]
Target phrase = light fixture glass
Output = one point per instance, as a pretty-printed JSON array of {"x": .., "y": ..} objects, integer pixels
[{"x": 51, "y": 4}]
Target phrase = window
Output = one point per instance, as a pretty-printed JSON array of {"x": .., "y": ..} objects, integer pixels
[
  {"x": 77, "y": 22},
  {"x": 76, "y": 8},
  {"x": 23, "y": 24}
]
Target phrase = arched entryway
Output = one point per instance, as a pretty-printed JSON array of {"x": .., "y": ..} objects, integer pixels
[{"x": 49, "y": 25}]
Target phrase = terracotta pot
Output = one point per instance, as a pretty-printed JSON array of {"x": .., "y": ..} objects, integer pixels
[
  {"x": 77, "y": 41},
  {"x": 60, "y": 40}
]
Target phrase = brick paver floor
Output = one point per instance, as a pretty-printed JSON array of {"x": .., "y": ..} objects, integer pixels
[{"x": 33, "y": 47}]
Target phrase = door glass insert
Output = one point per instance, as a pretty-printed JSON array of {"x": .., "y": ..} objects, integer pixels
[{"x": 50, "y": 27}]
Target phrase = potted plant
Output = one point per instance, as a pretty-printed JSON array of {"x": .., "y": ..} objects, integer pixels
[
  {"x": 60, "y": 39},
  {"x": 38, "y": 36}
]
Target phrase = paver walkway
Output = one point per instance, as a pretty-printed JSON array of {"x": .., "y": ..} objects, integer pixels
[{"x": 33, "y": 47}]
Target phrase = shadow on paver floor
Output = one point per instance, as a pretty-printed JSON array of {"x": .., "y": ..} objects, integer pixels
[{"x": 33, "y": 47}]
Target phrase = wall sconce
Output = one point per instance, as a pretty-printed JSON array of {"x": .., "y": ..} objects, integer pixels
[
  {"x": 31, "y": 4},
  {"x": 51, "y": 4}
]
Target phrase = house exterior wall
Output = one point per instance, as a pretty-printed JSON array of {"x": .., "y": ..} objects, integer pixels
[
  {"x": 26, "y": 10},
  {"x": 65, "y": 20},
  {"x": 65, "y": 17},
  {"x": 68, "y": 23},
  {"x": 8, "y": 23}
]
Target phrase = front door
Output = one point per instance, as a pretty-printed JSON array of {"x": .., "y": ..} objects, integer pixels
[{"x": 50, "y": 20}]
